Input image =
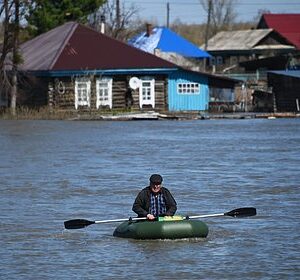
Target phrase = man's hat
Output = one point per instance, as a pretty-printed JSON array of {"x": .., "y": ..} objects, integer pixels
[{"x": 156, "y": 179}]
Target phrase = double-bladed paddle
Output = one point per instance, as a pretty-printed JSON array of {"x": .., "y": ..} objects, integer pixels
[{"x": 238, "y": 213}]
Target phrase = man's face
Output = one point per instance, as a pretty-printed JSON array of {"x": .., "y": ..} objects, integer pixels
[{"x": 155, "y": 187}]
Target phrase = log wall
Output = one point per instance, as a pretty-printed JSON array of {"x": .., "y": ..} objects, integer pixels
[{"x": 62, "y": 94}]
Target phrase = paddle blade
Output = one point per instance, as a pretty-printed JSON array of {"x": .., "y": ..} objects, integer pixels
[
  {"x": 77, "y": 223},
  {"x": 242, "y": 212}
]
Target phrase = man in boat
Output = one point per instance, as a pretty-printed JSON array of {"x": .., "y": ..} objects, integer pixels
[{"x": 154, "y": 200}]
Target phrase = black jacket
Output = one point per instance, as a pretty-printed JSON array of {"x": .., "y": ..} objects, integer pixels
[{"x": 141, "y": 204}]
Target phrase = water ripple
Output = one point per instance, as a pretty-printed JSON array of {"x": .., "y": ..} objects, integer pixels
[{"x": 52, "y": 171}]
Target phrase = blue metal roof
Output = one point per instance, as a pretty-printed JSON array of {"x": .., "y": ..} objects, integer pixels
[
  {"x": 290, "y": 73},
  {"x": 171, "y": 42},
  {"x": 167, "y": 41}
]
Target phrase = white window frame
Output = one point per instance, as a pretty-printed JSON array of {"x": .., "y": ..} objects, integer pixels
[
  {"x": 82, "y": 92},
  {"x": 147, "y": 92},
  {"x": 188, "y": 88},
  {"x": 104, "y": 92}
]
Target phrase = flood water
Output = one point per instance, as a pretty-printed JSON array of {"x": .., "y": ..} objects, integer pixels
[{"x": 52, "y": 171}]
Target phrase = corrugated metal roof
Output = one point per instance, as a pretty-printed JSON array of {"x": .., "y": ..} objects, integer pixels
[
  {"x": 42, "y": 51},
  {"x": 274, "y": 47},
  {"x": 288, "y": 25},
  {"x": 290, "y": 73},
  {"x": 73, "y": 46},
  {"x": 237, "y": 40},
  {"x": 166, "y": 40}
]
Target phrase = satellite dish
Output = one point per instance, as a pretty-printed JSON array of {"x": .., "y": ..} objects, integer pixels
[{"x": 134, "y": 82}]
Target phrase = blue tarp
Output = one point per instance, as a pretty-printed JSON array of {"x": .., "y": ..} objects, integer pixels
[{"x": 167, "y": 41}]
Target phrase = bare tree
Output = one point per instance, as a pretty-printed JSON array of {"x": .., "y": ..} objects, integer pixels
[
  {"x": 221, "y": 15},
  {"x": 259, "y": 14},
  {"x": 15, "y": 57},
  {"x": 118, "y": 20},
  {"x": 10, "y": 58},
  {"x": 5, "y": 13}
]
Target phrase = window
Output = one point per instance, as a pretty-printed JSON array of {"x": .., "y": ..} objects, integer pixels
[
  {"x": 219, "y": 60},
  {"x": 233, "y": 60},
  {"x": 212, "y": 61},
  {"x": 188, "y": 88},
  {"x": 146, "y": 91},
  {"x": 82, "y": 92},
  {"x": 104, "y": 92}
]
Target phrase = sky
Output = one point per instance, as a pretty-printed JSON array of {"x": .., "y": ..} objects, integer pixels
[{"x": 191, "y": 11}]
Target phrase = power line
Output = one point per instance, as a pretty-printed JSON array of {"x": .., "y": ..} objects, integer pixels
[
  {"x": 193, "y": 12},
  {"x": 199, "y": 4}
]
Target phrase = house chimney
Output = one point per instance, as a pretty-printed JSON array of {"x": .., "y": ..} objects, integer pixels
[
  {"x": 148, "y": 29},
  {"x": 102, "y": 28}
]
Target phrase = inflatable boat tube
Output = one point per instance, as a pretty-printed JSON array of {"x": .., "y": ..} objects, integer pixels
[{"x": 162, "y": 229}]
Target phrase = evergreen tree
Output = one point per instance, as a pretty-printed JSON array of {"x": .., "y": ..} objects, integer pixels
[{"x": 44, "y": 15}]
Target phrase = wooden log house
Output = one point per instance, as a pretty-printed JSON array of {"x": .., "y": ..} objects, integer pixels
[{"x": 84, "y": 70}]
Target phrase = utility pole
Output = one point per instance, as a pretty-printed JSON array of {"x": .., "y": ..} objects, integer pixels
[
  {"x": 208, "y": 23},
  {"x": 168, "y": 14},
  {"x": 207, "y": 30},
  {"x": 118, "y": 20}
]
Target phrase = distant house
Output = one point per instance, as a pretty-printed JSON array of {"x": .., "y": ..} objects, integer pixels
[
  {"x": 286, "y": 90},
  {"x": 287, "y": 25},
  {"x": 165, "y": 43},
  {"x": 230, "y": 48},
  {"x": 262, "y": 101},
  {"x": 246, "y": 55},
  {"x": 73, "y": 67},
  {"x": 280, "y": 62},
  {"x": 284, "y": 95}
]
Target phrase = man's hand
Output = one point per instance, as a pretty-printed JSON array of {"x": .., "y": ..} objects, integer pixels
[{"x": 150, "y": 217}]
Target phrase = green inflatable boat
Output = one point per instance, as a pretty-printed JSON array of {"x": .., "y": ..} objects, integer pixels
[{"x": 163, "y": 229}]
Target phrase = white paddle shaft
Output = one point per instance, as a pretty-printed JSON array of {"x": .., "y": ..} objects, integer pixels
[
  {"x": 120, "y": 220},
  {"x": 144, "y": 218},
  {"x": 206, "y": 216}
]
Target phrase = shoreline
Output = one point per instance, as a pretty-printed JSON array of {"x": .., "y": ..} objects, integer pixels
[
  {"x": 184, "y": 116},
  {"x": 146, "y": 115}
]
